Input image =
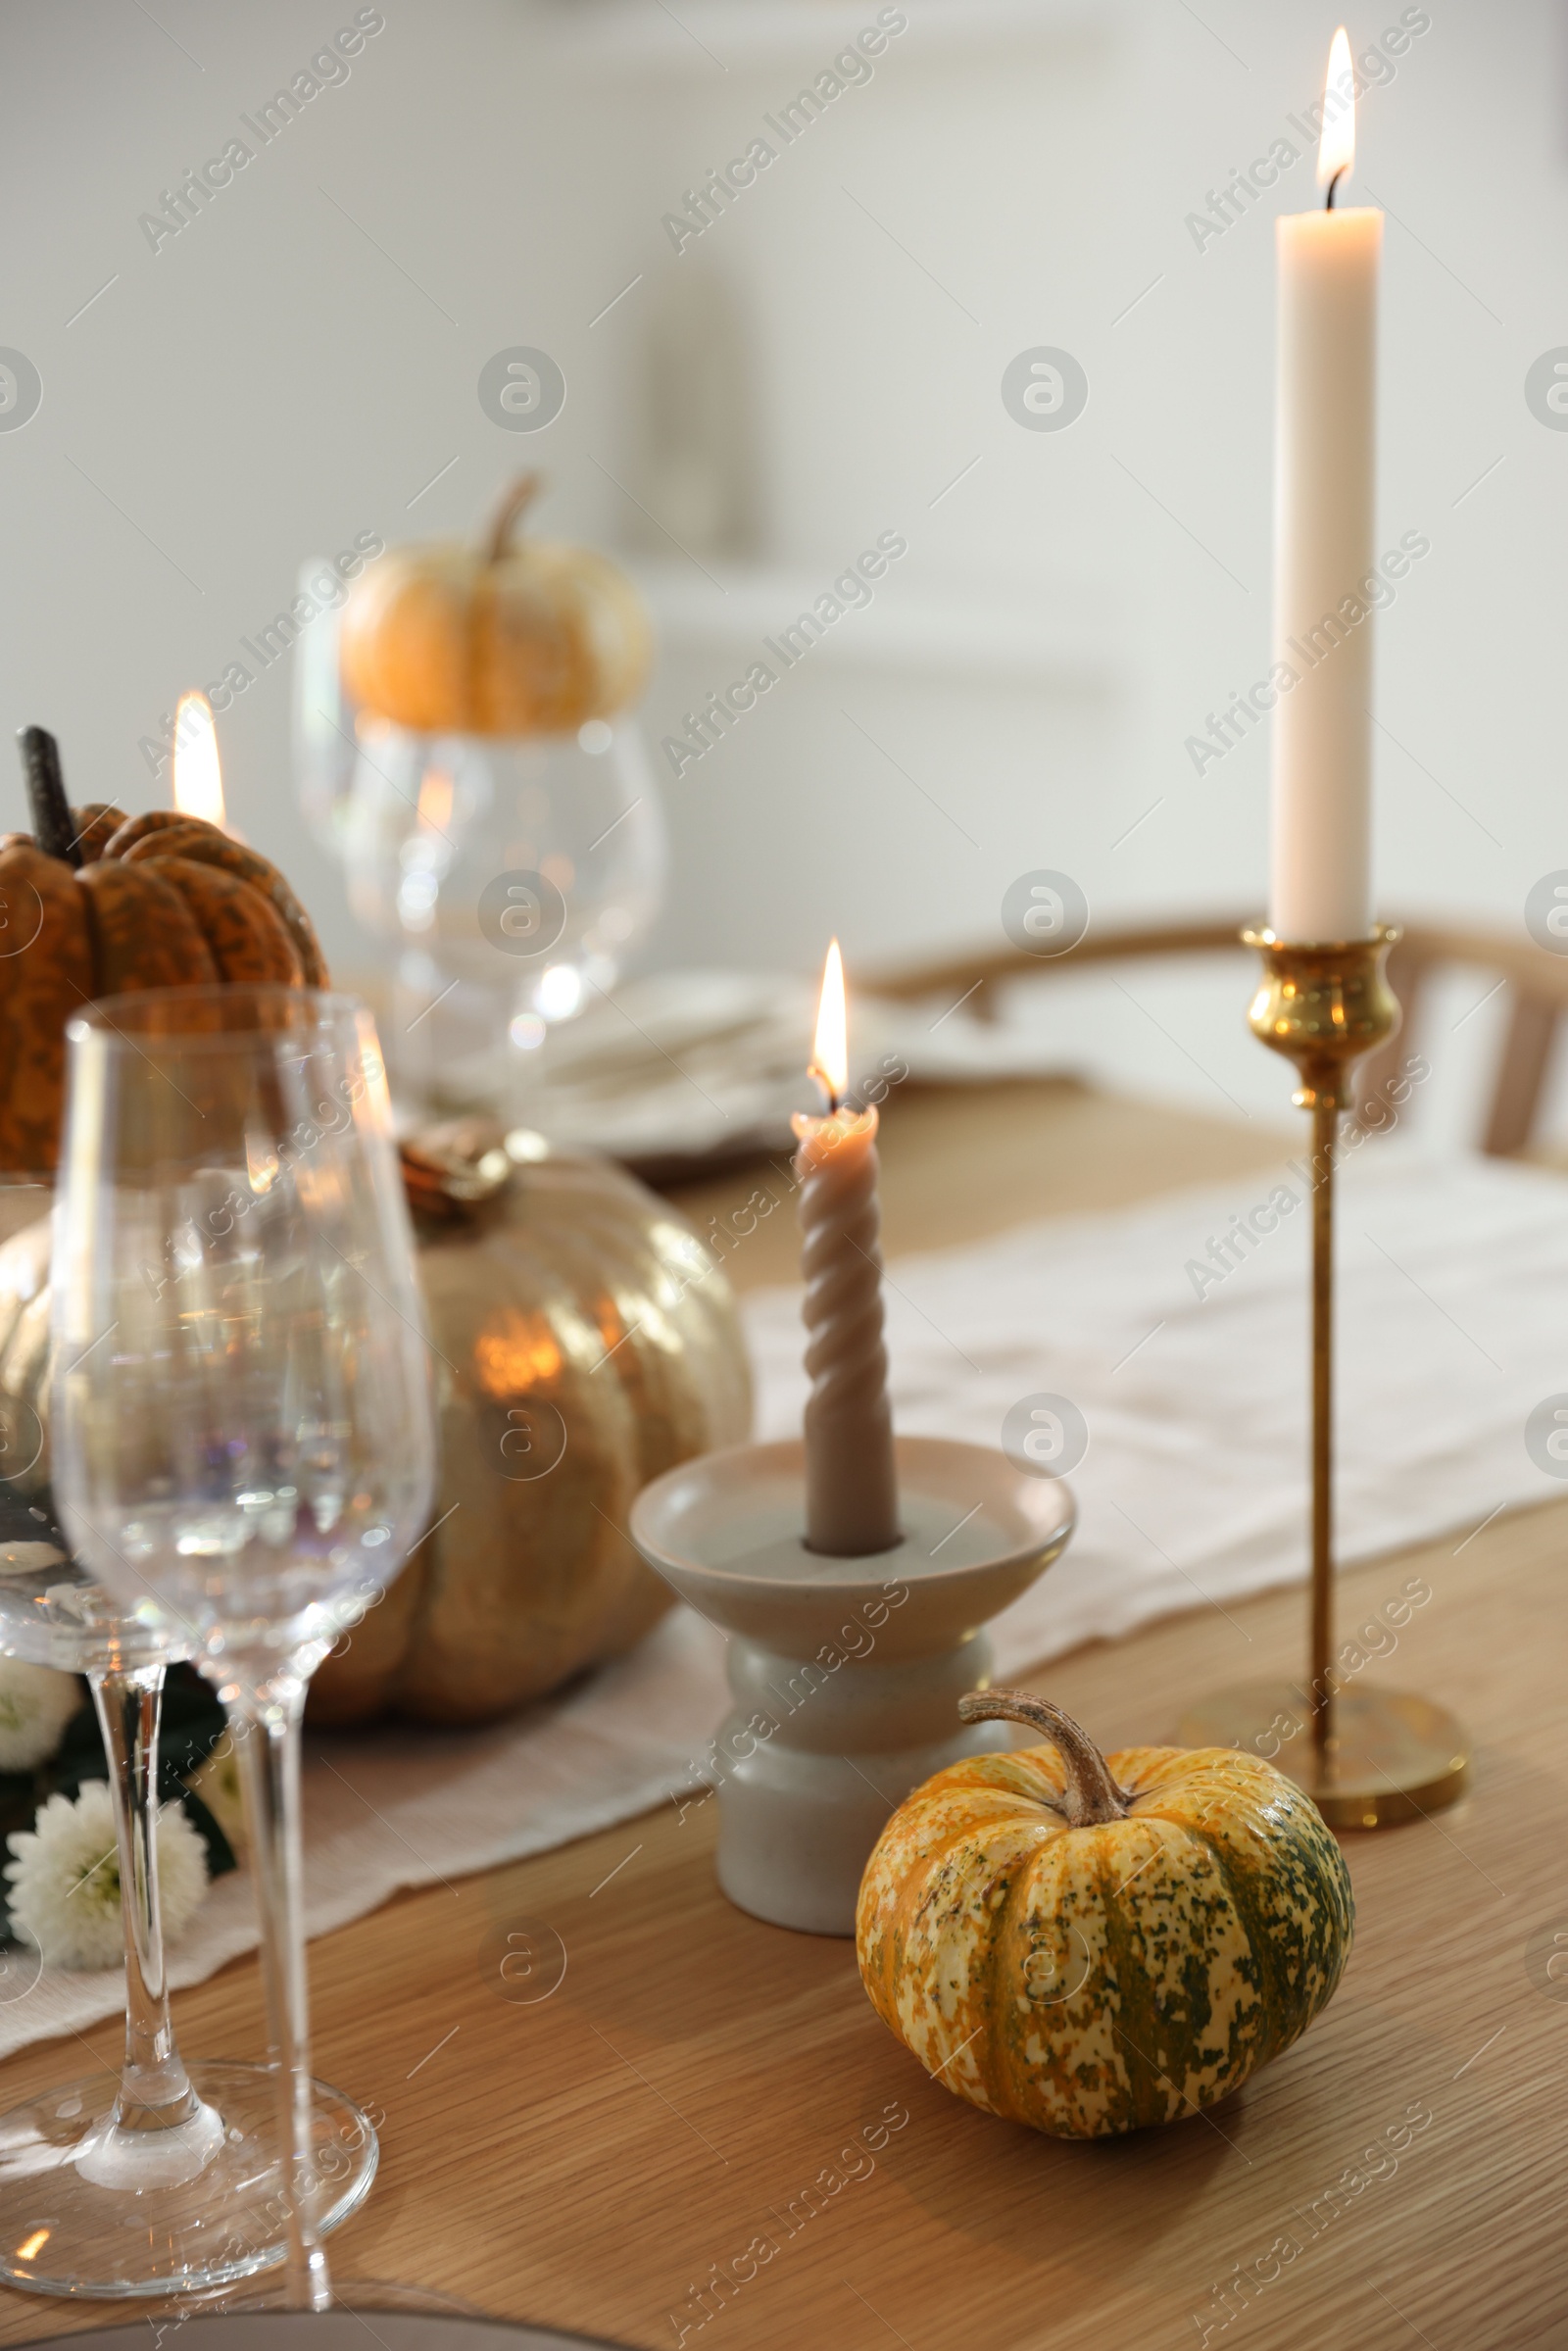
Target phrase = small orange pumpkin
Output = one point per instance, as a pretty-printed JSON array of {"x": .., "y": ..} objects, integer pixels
[
  {"x": 530, "y": 639},
  {"x": 100, "y": 903}
]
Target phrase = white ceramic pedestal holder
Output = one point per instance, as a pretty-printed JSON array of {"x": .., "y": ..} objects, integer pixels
[{"x": 845, "y": 1672}]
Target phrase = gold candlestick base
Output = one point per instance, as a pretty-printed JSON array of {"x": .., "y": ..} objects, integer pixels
[
  {"x": 1391, "y": 1757},
  {"x": 1367, "y": 1757}
]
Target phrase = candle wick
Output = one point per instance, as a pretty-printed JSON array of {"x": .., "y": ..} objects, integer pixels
[
  {"x": 1327, "y": 201},
  {"x": 829, "y": 1090}
]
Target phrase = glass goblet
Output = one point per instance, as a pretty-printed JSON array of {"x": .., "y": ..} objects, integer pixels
[
  {"x": 242, "y": 1420},
  {"x": 515, "y": 875},
  {"x": 162, "y": 2178}
]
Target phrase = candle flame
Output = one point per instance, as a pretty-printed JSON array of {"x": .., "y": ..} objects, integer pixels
[
  {"x": 830, "y": 1052},
  {"x": 434, "y": 808},
  {"x": 198, "y": 776},
  {"x": 1335, "y": 151}
]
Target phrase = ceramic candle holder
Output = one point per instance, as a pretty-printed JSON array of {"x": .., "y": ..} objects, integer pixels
[{"x": 845, "y": 1673}]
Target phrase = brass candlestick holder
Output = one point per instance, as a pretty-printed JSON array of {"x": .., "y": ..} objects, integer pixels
[{"x": 1367, "y": 1757}]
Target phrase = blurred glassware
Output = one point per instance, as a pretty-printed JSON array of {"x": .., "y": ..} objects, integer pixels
[
  {"x": 241, "y": 1408},
  {"x": 513, "y": 875},
  {"x": 324, "y": 746}
]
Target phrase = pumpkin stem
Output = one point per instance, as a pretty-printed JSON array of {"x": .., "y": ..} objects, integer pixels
[
  {"x": 54, "y": 827},
  {"x": 522, "y": 493},
  {"x": 1090, "y": 1794}
]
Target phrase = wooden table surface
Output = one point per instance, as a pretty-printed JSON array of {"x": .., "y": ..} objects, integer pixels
[{"x": 700, "y": 2083}]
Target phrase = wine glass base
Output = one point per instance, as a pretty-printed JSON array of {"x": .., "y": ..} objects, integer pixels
[{"x": 60, "y": 2234}]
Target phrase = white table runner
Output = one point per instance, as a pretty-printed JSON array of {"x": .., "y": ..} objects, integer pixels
[{"x": 1454, "y": 1328}]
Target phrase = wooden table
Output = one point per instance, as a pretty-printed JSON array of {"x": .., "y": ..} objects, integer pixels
[{"x": 695, "y": 2082}]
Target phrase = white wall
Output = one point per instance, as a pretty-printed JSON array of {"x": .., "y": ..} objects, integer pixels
[{"x": 280, "y": 377}]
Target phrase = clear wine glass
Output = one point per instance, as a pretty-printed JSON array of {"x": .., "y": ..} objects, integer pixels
[
  {"x": 515, "y": 874},
  {"x": 162, "y": 2179},
  {"x": 242, "y": 1418}
]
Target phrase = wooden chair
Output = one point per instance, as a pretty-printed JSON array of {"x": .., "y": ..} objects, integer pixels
[{"x": 1537, "y": 982}]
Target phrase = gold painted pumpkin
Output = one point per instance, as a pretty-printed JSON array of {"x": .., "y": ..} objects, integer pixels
[
  {"x": 502, "y": 638},
  {"x": 1092, "y": 1943},
  {"x": 583, "y": 1339}
]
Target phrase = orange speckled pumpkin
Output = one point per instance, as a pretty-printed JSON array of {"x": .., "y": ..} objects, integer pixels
[
  {"x": 1090, "y": 1943},
  {"x": 530, "y": 639},
  {"x": 158, "y": 900}
]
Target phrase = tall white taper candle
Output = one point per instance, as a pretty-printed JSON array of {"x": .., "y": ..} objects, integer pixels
[{"x": 1324, "y": 485}]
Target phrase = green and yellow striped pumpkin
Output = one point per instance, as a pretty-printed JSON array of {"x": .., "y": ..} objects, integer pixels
[{"x": 1090, "y": 1945}]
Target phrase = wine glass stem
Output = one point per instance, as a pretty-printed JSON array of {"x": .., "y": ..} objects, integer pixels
[
  {"x": 155, "y": 2091},
  {"x": 267, "y": 1735}
]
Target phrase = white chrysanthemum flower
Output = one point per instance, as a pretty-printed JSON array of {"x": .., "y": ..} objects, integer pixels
[
  {"x": 65, "y": 1880},
  {"x": 35, "y": 1705}
]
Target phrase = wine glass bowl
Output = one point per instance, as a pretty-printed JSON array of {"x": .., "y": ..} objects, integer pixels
[
  {"x": 240, "y": 1347},
  {"x": 437, "y": 829}
]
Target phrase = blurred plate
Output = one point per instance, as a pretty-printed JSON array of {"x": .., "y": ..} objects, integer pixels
[
  {"x": 342, "y": 2330},
  {"x": 684, "y": 1070}
]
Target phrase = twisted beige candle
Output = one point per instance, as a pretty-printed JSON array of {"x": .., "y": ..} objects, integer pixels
[{"x": 852, "y": 1495}]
